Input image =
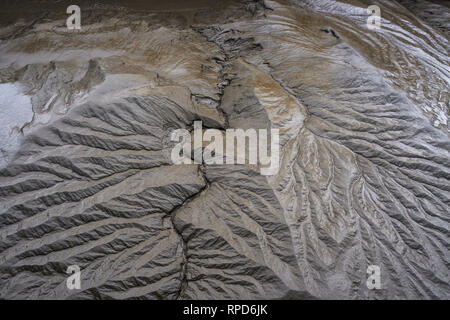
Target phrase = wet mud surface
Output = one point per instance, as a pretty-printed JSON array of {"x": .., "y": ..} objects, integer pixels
[{"x": 87, "y": 179}]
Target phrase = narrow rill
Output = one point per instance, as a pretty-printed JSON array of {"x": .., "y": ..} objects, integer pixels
[{"x": 87, "y": 176}]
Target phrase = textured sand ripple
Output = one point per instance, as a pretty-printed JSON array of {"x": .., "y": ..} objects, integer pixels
[{"x": 364, "y": 168}]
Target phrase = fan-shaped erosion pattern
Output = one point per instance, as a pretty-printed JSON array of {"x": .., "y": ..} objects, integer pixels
[{"x": 87, "y": 178}]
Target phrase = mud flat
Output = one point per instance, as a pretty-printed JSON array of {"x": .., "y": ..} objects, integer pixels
[{"x": 87, "y": 177}]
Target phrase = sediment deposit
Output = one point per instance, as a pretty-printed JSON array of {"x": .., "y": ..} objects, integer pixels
[{"x": 86, "y": 176}]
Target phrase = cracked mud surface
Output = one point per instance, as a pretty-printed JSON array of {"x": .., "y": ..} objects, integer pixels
[{"x": 86, "y": 175}]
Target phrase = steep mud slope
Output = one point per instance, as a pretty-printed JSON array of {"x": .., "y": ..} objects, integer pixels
[{"x": 87, "y": 177}]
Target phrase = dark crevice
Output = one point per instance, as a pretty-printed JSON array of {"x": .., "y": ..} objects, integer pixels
[
  {"x": 225, "y": 77},
  {"x": 329, "y": 30},
  {"x": 263, "y": 4},
  {"x": 184, "y": 242}
]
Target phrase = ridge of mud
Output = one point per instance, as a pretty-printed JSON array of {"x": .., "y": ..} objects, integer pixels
[{"x": 364, "y": 147}]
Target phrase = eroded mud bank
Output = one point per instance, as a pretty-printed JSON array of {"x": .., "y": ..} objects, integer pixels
[{"x": 364, "y": 174}]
